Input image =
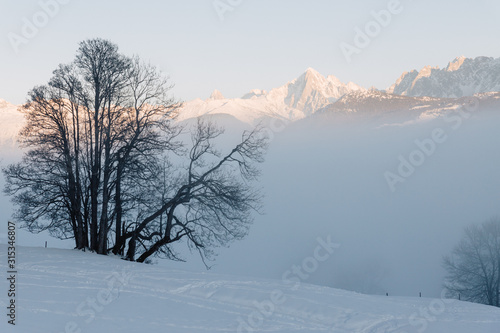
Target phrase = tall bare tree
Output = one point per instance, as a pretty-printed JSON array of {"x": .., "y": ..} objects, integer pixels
[
  {"x": 474, "y": 265},
  {"x": 211, "y": 201},
  {"x": 97, "y": 169}
]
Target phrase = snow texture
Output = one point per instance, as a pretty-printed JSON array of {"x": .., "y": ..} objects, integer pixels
[{"x": 68, "y": 290}]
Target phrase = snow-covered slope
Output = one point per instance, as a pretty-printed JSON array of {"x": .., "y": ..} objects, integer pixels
[
  {"x": 462, "y": 77},
  {"x": 71, "y": 291},
  {"x": 297, "y": 99}
]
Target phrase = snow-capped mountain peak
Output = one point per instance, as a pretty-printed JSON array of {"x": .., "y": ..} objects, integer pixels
[
  {"x": 455, "y": 64},
  {"x": 312, "y": 73},
  {"x": 426, "y": 71},
  {"x": 216, "y": 95},
  {"x": 312, "y": 91},
  {"x": 254, "y": 93}
]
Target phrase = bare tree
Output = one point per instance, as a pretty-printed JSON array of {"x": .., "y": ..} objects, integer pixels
[
  {"x": 146, "y": 134},
  {"x": 97, "y": 169},
  {"x": 93, "y": 119},
  {"x": 44, "y": 184},
  {"x": 209, "y": 203},
  {"x": 474, "y": 265}
]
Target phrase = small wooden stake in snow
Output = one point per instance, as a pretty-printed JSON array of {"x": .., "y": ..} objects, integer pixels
[
  {"x": 420, "y": 294},
  {"x": 45, "y": 244}
]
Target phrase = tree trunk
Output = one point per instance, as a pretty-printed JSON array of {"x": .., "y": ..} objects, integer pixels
[
  {"x": 119, "y": 240},
  {"x": 94, "y": 182}
]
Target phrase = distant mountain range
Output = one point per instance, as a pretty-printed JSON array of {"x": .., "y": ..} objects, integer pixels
[
  {"x": 426, "y": 91},
  {"x": 312, "y": 92},
  {"x": 462, "y": 77},
  {"x": 296, "y": 99},
  {"x": 389, "y": 108}
]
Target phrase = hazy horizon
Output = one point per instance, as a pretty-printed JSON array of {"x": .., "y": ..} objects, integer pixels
[{"x": 249, "y": 45}]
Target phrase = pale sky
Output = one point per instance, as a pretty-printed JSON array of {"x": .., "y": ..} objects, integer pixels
[{"x": 259, "y": 44}]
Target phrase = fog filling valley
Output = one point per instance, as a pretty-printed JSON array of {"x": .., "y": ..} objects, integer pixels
[{"x": 325, "y": 176}]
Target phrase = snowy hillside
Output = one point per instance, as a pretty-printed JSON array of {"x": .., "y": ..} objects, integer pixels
[
  {"x": 71, "y": 291},
  {"x": 462, "y": 77},
  {"x": 297, "y": 99}
]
